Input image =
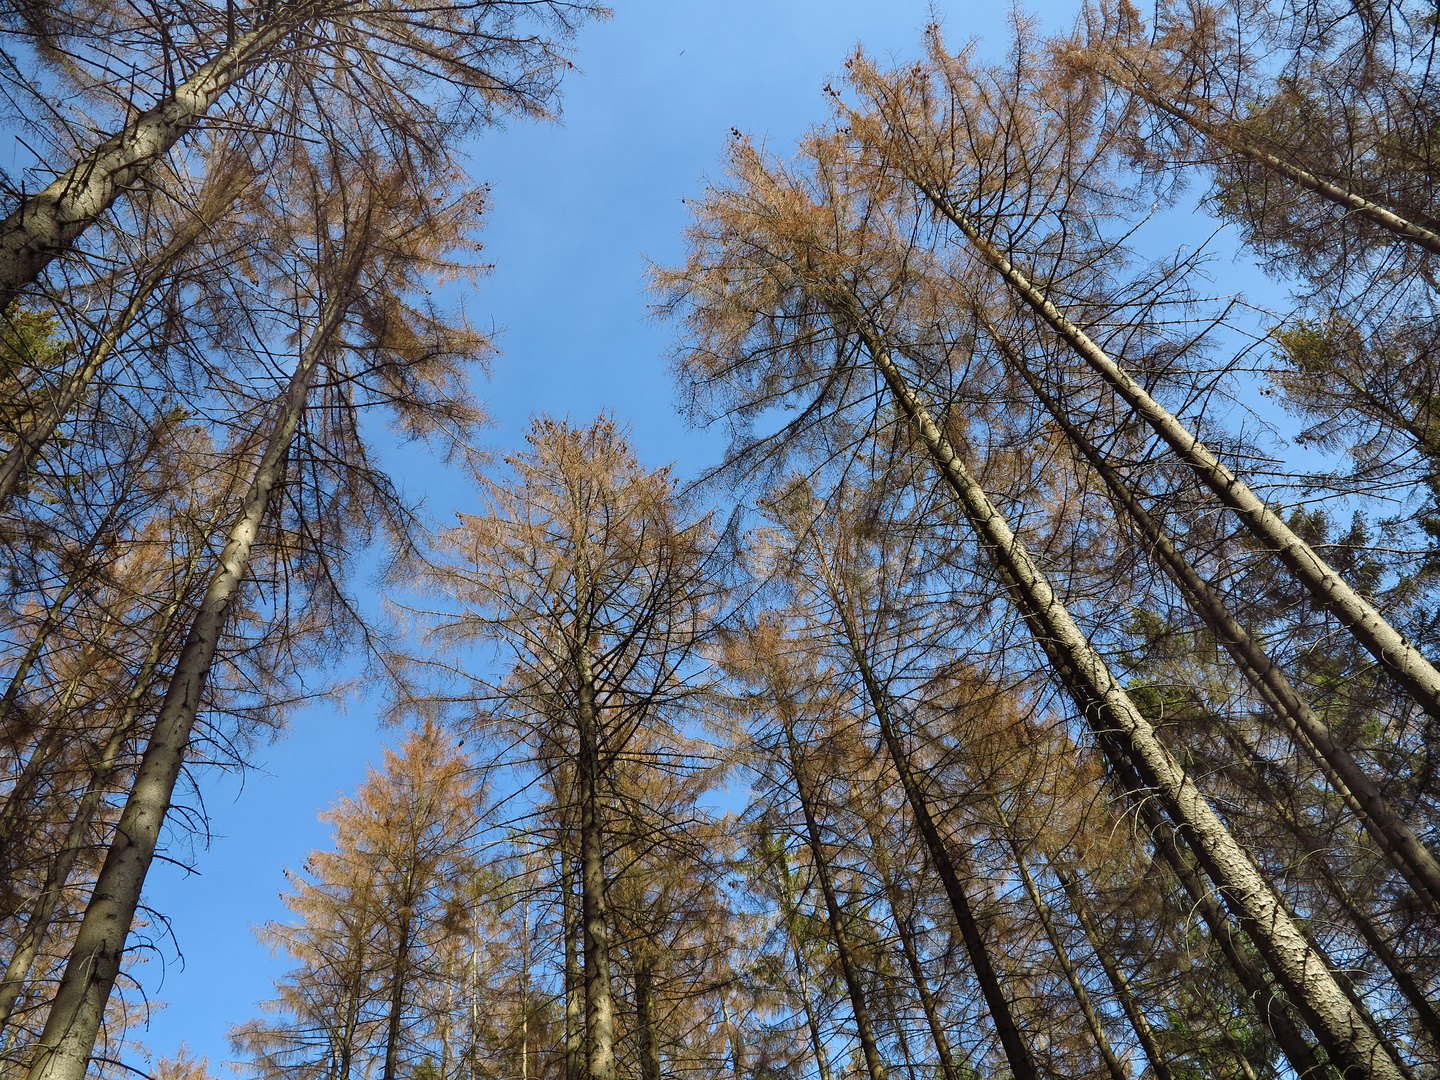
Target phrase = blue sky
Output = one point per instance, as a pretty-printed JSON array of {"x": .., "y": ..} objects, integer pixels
[{"x": 577, "y": 209}]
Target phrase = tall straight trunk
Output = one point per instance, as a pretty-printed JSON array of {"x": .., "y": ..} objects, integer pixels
[
  {"x": 1017, "y": 1049},
  {"x": 37, "y": 925},
  {"x": 732, "y": 1034},
  {"x": 646, "y": 1020},
  {"x": 47, "y": 224},
  {"x": 599, "y": 1002},
  {"x": 905, "y": 930},
  {"x": 1118, "y": 982},
  {"x": 33, "y": 436},
  {"x": 1108, "y": 709},
  {"x": 802, "y": 968},
  {"x": 574, "y": 1044},
  {"x": 840, "y": 937},
  {"x": 1272, "y": 1009},
  {"x": 1396, "y": 655},
  {"x": 1062, "y": 955},
  {"x": 1257, "y": 768},
  {"x": 399, "y": 973},
  {"x": 64, "y": 1049},
  {"x": 1345, "y": 775},
  {"x": 1222, "y": 134}
]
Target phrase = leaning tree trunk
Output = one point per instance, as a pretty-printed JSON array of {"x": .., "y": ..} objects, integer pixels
[
  {"x": 1272, "y": 1009},
  {"x": 47, "y": 224},
  {"x": 909, "y": 949},
  {"x": 1409, "y": 854},
  {"x": 1352, "y": 201},
  {"x": 1256, "y": 768},
  {"x": 849, "y": 969},
  {"x": 1062, "y": 955},
  {"x": 1395, "y": 654},
  {"x": 1109, "y": 711},
  {"x": 64, "y": 1049},
  {"x": 32, "y": 437},
  {"x": 1118, "y": 982},
  {"x": 37, "y": 925},
  {"x": 1017, "y": 1050},
  {"x": 802, "y": 969}
]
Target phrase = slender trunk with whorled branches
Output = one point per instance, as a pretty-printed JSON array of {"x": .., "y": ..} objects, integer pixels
[
  {"x": 1347, "y": 778},
  {"x": 1227, "y": 137},
  {"x": 1017, "y": 1049},
  {"x": 1111, "y": 714},
  {"x": 64, "y": 1049},
  {"x": 1395, "y": 654}
]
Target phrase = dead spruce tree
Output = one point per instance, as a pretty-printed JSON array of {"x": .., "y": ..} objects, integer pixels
[
  {"x": 587, "y": 573},
  {"x": 374, "y": 240},
  {"x": 799, "y": 280}
]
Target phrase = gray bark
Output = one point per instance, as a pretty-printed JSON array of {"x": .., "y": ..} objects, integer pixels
[
  {"x": 599, "y": 1000},
  {"x": 1062, "y": 955},
  {"x": 1108, "y": 710},
  {"x": 64, "y": 1049},
  {"x": 42, "y": 911},
  {"x": 849, "y": 970},
  {"x": 47, "y": 224},
  {"x": 1017, "y": 1049},
  {"x": 1345, "y": 775},
  {"x": 1396, "y": 655},
  {"x": 1352, "y": 201},
  {"x": 31, "y": 438}
]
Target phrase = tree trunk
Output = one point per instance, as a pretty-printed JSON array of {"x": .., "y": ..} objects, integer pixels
[
  {"x": 645, "y": 1019},
  {"x": 27, "y": 946},
  {"x": 802, "y": 970},
  {"x": 1346, "y": 777},
  {"x": 574, "y": 1045},
  {"x": 399, "y": 973},
  {"x": 1017, "y": 1049},
  {"x": 1257, "y": 767},
  {"x": 1107, "y": 708},
  {"x": 599, "y": 1003},
  {"x": 46, "y": 225},
  {"x": 78, "y": 1009},
  {"x": 1062, "y": 955},
  {"x": 849, "y": 970},
  {"x": 906, "y": 932},
  {"x": 1402, "y": 660},
  {"x": 1118, "y": 982},
  {"x": 1272, "y": 1009},
  {"x": 31, "y": 438},
  {"x": 1352, "y": 201}
]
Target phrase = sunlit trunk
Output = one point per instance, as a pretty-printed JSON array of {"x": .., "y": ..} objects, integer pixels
[{"x": 64, "y": 1049}]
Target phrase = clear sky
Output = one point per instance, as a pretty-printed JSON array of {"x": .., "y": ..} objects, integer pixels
[{"x": 577, "y": 209}]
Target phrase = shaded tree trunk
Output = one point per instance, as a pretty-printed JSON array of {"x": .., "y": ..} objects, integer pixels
[
  {"x": 1016, "y": 1047},
  {"x": 1395, "y": 654},
  {"x": 849, "y": 969},
  {"x": 1118, "y": 982},
  {"x": 1062, "y": 955}
]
